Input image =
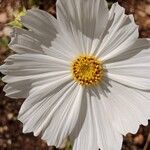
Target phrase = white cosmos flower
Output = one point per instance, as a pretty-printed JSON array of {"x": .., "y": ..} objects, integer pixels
[{"x": 85, "y": 75}]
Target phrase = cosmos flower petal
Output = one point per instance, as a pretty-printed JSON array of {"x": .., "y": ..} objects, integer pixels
[
  {"x": 17, "y": 90},
  {"x": 144, "y": 102},
  {"x": 82, "y": 25},
  {"x": 38, "y": 94},
  {"x": 62, "y": 49},
  {"x": 134, "y": 71},
  {"x": 97, "y": 131},
  {"x": 121, "y": 34},
  {"x": 23, "y": 70},
  {"x": 135, "y": 110},
  {"x": 84, "y": 136},
  {"x": 52, "y": 114},
  {"x": 41, "y": 23},
  {"x": 141, "y": 44},
  {"x": 135, "y": 82},
  {"x": 24, "y": 41}
]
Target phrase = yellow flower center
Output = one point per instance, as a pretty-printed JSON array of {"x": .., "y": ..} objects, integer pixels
[{"x": 87, "y": 70}]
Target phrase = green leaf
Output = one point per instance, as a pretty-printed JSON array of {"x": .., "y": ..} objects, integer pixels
[
  {"x": 68, "y": 147},
  {"x": 17, "y": 18},
  {"x": 4, "y": 42},
  {"x": 33, "y": 2}
]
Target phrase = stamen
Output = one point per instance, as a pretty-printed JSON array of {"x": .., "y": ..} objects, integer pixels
[{"x": 87, "y": 70}]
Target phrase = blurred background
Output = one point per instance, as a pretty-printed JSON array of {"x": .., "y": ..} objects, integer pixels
[{"x": 11, "y": 136}]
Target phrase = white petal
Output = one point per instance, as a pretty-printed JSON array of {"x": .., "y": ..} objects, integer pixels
[
  {"x": 24, "y": 41},
  {"x": 97, "y": 130},
  {"x": 23, "y": 70},
  {"x": 40, "y": 92},
  {"x": 41, "y": 23},
  {"x": 62, "y": 49},
  {"x": 134, "y": 71},
  {"x": 78, "y": 24},
  {"x": 139, "y": 49},
  {"x": 84, "y": 136},
  {"x": 127, "y": 108},
  {"x": 54, "y": 113},
  {"x": 121, "y": 35},
  {"x": 42, "y": 63},
  {"x": 144, "y": 102},
  {"x": 17, "y": 90},
  {"x": 135, "y": 82}
]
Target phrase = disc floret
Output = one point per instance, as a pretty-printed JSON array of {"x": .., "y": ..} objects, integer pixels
[{"x": 87, "y": 70}]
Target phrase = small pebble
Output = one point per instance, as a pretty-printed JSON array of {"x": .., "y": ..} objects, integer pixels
[
  {"x": 3, "y": 18},
  {"x": 7, "y": 31},
  {"x": 1, "y": 130},
  {"x": 139, "y": 139},
  {"x": 147, "y": 9},
  {"x": 141, "y": 13},
  {"x": 5, "y": 128},
  {"x": 10, "y": 116},
  {"x": 9, "y": 141}
]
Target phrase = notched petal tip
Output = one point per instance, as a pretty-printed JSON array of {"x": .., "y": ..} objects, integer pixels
[
  {"x": 121, "y": 35},
  {"x": 14, "y": 37},
  {"x": 3, "y": 70}
]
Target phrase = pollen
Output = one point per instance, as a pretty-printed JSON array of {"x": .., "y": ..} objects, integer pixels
[{"x": 87, "y": 70}]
